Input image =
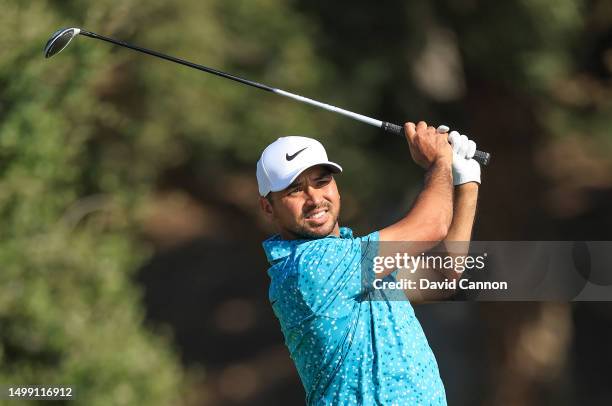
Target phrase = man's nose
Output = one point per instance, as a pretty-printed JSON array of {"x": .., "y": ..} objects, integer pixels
[{"x": 315, "y": 195}]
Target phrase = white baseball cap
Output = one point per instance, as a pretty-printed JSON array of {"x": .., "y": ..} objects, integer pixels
[{"x": 283, "y": 161}]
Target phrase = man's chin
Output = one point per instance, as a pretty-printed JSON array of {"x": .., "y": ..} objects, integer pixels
[{"x": 317, "y": 232}]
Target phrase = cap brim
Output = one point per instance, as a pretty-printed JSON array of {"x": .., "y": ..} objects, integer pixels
[{"x": 335, "y": 168}]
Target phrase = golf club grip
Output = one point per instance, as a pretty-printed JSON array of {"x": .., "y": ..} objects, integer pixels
[{"x": 481, "y": 157}]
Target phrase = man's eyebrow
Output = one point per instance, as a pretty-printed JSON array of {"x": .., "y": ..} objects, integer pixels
[
  {"x": 321, "y": 176},
  {"x": 293, "y": 184}
]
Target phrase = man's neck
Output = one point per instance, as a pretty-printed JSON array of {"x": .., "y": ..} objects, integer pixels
[{"x": 290, "y": 235}]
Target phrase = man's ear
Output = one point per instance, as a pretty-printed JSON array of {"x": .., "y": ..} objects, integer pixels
[{"x": 266, "y": 207}]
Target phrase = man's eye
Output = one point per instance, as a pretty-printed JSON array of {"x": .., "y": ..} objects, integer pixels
[
  {"x": 294, "y": 190},
  {"x": 324, "y": 181}
]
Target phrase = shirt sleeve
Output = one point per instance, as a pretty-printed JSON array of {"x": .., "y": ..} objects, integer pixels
[{"x": 335, "y": 273}]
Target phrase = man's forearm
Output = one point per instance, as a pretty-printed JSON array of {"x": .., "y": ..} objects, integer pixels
[
  {"x": 460, "y": 231},
  {"x": 456, "y": 244},
  {"x": 425, "y": 226},
  {"x": 438, "y": 181},
  {"x": 466, "y": 199},
  {"x": 430, "y": 217}
]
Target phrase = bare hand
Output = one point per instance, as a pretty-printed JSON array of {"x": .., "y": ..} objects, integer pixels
[{"x": 427, "y": 145}]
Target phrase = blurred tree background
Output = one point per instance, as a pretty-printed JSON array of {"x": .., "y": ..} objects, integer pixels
[{"x": 130, "y": 257}]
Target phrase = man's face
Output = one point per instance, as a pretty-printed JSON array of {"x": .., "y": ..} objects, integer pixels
[{"x": 308, "y": 208}]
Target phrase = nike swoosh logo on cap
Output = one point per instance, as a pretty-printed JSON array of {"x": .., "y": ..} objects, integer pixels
[{"x": 290, "y": 157}]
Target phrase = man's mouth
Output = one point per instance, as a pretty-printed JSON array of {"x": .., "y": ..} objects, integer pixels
[{"x": 317, "y": 214}]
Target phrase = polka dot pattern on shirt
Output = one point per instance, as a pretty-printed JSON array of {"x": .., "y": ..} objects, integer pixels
[{"x": 351, "y": 344}]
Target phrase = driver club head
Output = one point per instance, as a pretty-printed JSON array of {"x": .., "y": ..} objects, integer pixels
[{"x": 60, "y": 40}]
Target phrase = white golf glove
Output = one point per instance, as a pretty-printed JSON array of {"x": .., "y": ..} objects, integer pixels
[{"x": 465, "y": 169}]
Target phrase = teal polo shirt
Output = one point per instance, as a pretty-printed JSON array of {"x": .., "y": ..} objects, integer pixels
[{"x": 351, "y": 344}]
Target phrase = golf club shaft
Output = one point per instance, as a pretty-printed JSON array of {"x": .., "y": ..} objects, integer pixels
[
  {"x": 480, "y": 156},
  {"x": 302, "y": 99}
]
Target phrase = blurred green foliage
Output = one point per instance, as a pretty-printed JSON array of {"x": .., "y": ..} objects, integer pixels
[
  {"x": 84, "y": 138},
  {"x": 69, "y": 314}
]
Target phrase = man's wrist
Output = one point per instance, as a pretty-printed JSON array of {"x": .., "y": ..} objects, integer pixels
[
  {"x": 469, "y": 187},
  {"x": 440, "y": 170},
  {"x": 443, "y": 161}
]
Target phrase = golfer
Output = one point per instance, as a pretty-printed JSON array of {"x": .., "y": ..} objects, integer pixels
[{"x": 351, "y": 347}]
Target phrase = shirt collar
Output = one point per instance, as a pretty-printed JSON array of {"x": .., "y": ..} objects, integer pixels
[{"x": 276, "y": 248}]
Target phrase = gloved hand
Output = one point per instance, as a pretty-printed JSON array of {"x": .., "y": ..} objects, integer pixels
[{"x": 465, "y": 169}]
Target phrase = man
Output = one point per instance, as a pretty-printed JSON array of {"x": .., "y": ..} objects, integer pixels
[{"x": 350, "y": 345}]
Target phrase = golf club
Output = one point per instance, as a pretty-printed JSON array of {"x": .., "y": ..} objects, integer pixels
[{"x": 61, "y": 38}]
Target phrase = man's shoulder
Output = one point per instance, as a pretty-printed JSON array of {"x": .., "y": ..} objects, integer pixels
[
  {"x": 331, "y": 249},
  {"x": 278, "y": 249}
]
